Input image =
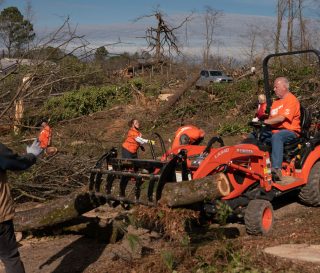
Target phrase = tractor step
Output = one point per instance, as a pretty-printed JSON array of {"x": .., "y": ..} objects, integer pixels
[{"x": 286, "y": 180}]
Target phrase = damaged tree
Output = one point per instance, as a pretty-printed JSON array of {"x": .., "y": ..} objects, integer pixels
[
  {"x": 163, "y": 37},
  {"x": 175, "y": 98}
]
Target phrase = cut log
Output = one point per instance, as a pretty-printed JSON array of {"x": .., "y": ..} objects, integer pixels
[
  {"x": 194, "y": 191},
  {"x": 57, "y": 211}
]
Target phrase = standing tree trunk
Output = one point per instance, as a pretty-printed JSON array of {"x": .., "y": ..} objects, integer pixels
[
  {"x": 290, "y": 26},
  {"x": 162, "y": 39},
  {"x": 211, "y": 22},
  {"x": 158, "y": 37},
  {"x": 302, "y": 26},
  {"x": 281, "y": 8}
]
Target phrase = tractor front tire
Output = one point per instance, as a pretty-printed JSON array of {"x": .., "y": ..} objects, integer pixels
[
  {"x": 258, "y": 217},
  {"x": 310, "y": 193}
]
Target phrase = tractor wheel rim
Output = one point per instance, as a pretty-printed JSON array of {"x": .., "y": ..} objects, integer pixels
[{"x": 267, "y": 219}]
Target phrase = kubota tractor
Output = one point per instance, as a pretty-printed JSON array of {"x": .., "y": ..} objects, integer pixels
[{"x": 238, "y": 175}]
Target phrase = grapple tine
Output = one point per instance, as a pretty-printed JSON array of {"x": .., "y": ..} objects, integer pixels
[
  {"x": 135, "y": 181},
  {"x": 95, "y": 177}
]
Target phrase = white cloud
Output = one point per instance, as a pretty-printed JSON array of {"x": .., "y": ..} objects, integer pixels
[{"x": 230, "y": 37}]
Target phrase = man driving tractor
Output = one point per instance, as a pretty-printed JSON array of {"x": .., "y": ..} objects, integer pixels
[{"x": 284, "y": 120}]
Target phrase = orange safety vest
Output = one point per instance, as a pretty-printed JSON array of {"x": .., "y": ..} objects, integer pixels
[
  {"x": 194, "y": 133},
  {"x": 45, "y": 137},
  {"x": 130, "y": 143}
]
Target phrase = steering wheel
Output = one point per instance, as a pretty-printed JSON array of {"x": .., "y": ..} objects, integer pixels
[{"x": 258, "y": 127}]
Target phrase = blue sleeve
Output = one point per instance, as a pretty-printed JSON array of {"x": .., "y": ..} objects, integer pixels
[{"x": 14, "y": 162}]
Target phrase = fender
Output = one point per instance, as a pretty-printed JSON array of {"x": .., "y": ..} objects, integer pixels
[{"x": 311, "y": 160}]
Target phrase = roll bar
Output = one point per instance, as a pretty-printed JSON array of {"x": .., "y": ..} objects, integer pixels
[{"x": 267, "y": 88}]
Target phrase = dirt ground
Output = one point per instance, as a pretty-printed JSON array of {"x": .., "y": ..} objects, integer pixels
[{"x": 72, "y": 252}]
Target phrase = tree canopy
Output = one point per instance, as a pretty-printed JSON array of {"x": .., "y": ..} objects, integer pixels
[
  {"x": 101, "y": 53},
  {"x": 15, "y": 31}
]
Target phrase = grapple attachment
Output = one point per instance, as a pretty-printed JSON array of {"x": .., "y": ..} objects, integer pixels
[{"x": 135, "y": 181}]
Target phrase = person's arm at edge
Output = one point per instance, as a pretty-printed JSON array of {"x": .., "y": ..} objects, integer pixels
[{"x": 15, "y": 162}]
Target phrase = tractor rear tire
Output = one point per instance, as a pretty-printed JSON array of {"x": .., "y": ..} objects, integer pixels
[
  {"x": 310, "y": 193},
  {"x": 258, "y": 217}
]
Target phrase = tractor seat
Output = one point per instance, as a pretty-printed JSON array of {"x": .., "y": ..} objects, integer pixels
[
  {"x": 291, "y": 148},
  {"x": 305, "y": 123}
]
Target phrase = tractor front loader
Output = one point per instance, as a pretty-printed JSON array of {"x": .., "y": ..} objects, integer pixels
[{"x": 238, "y": 175}]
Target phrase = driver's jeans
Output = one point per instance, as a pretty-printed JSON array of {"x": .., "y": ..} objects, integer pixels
[{"x": 277, "y": 141}]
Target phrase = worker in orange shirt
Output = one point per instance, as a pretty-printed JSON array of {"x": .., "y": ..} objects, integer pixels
[
  {"x": 186, "y": 135},
  {"x": 44, "y": 139},
  {"x": 45, "y": 135},
  {"x": 284, "y": 120},
  {"x": 134, "y": 140}
]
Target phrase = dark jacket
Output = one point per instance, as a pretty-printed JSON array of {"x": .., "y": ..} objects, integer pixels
[{"x": 13, "y": 162}]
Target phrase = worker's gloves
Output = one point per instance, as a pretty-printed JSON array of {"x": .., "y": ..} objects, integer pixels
[
  {"x": 34, "y": 148},
  {"x": 152, "y": 142}
]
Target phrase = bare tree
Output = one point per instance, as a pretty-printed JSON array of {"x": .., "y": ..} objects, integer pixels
[
  {"x": 281, "y": 9},
  {"x": 290, "y": 25},
  {"x": 211, "y": 19},
  {"x": 292, "y": 12},
  {"x": 253, "y": 43},
  {"x": 162, "y": 38},
  {"x": 302, "y": 23},
  {"x": 29, "y": 13}
]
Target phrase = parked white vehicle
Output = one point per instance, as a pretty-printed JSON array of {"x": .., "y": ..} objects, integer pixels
[{"x": 208, "y": 76}]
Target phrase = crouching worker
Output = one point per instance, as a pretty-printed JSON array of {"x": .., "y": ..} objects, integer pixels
[
  {"x": 134, "y": 140},
  {"x": 45, "y": 135},
  {"x": 43, "y": 141},
  {"x": 9, "y": 253},
  {"x": 187, "y": 135}
]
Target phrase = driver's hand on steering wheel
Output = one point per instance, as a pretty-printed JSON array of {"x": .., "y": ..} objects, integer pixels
[{"x": 258, "y": 122}]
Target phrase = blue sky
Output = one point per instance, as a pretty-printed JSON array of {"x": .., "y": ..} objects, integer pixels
[
  {"x": 104, "y": 22},
  {"x": 50, "y": 12}
]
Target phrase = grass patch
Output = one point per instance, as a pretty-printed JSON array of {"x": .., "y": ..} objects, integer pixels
[
  {"x": 84, "y": 101},
  {"x": 227, "y": 258},
  {"x": 233, "y": 128}
]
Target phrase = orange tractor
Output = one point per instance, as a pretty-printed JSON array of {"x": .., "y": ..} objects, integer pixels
[{"x": 242, "y": 172}]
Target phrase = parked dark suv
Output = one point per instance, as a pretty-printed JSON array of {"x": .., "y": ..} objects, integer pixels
[{"x": 208, "y": 76}]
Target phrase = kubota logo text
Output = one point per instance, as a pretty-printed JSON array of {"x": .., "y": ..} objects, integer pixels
[
  {"x": 244, "y": 151},
  {"x": 221, "y": 152}
]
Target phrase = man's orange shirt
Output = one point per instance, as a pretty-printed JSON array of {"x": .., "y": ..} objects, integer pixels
[
  {"x": 45, "y": 137},
  {"x": 288, "y": 107},
  {"x": 130, "y": 143}
]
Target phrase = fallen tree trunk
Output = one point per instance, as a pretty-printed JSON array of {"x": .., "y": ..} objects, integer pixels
[
  {"x": 57, "y": 211},
  {"x": 77, "y": 203},
  {"x": 174, "y": 98}
]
